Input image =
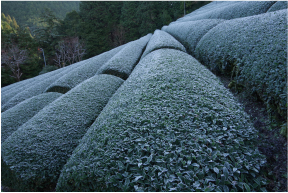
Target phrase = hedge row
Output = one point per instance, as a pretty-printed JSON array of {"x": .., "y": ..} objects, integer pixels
[
  {"x": 254, "y": 49},
  {"x": 162, "y": 39},
  {"x": 38, "y": 86},
  {"x": 33, "y": 156},
  {"x": 231, "y": 10},
  {"x": 123, "y": 63},
  {"x": 13, "y": 118},
  {"x": 172, "y": 126},
  {"x": 278, "y": 6},
  {"x": 78, "y": 75},
  {"x": 190, "y": 33},
  {"x": 18, "y": 87}
]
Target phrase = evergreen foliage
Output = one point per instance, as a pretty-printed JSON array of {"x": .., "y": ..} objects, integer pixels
[
  {"x": 230, "y": 10},
  {"x": 88, "y": 69},
  {"x": 36, "y": 87},
  {"x": 13, "y": 118},
  {"x": 162, "y": 39},
  {"x": 189, "y": 33},
  {"x": 278, "y": 6},
  {"x": 124, "y": 61},
  {"x": 172, "y": 126},
  {"x": 25, "y": 12},
  {"x": 254, "y": 51},
  {"x": 33, "y": 156}
]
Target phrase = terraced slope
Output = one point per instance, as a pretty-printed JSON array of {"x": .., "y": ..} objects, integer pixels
[
  {"x": 147, "y": 116},
  {"x": 171, "y": 126}
]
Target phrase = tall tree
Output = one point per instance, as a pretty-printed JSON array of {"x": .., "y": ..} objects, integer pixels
[
  {"x": 48, "y": 35},
  {"x": 100, "y": 19},
  {"x": 129, "y": 20}
]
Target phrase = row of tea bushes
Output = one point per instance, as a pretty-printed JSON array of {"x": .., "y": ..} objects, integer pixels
[
  {"x": 189, "y": 33},
  {"x": 230, "y": 10},
  {"x": 254, "y": 49},
  {"x": 18, "y": 87},
  {"x": 161, "y": 39},
  {"x": 88, "y": 69},
  {"x": 171, "y": 126},
  {"x": 123, "y": 62},
  {"x": 32, "y": 157},
  {"x": 278, "y": 6},
  {"x": 38, "y": 86},
  {"x": 14, "y": 117}
]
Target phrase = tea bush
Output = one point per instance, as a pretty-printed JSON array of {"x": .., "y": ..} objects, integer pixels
[
  {"x": 33, "y": 156},
  {"x": 214, "y": 5},
  {"x": 87, "y": 70},
  {"x": 189, "y": 33},
  {"x": 231, "y": 10},
  {"x": 38, "y": 86},
  {"x": 162, "y": 39},
  {"x": 14, "y": 117},
  {"x": 16, "y": 88},
  {"x": 123, "y": 62},
  {"x": 255, "y": 50},
  {"x": 278, "y": 6},
  {"x": 171, "y": 126}
]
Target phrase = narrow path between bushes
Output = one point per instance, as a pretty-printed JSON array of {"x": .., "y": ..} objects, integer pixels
[{"x": 271, "y": 143}]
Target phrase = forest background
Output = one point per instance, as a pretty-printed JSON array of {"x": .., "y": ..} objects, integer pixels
[{"x": 38, "y": 37}]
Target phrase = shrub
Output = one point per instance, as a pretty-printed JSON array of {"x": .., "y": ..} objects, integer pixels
[
  {"x": 172, "y": 126},
  {"x": 48, "y": 68},
  {"x": 278, "y": 6},
  {"x": 190, "y": 33},
  {"x": 255, "y": 49},
  {"x": 231, "y": 10},
  {"x": 17, "y": 89},
  {"x": 78, "y": 75},
  {"x": 38, "y": 86},
  {"x": 123, "y": 62},
  {"x": 14, "y": 117},
  {"x": 33, "y": 156},
  {"x": 162, "y": 39}
]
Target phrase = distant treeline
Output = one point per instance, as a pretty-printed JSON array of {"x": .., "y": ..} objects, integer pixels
[
  {"x": 37, "y": 37},
  {"x": 105, "y": 25},
  {"x": 28, "y": 12}
]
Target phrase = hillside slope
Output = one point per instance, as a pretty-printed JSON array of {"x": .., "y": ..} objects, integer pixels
[{"x": 150, "y": 115}]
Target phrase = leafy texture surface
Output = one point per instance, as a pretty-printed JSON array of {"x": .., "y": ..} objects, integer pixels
[
  {"x": 278, "y": 6},
  {"x": 229, "y": 10},
  {"x": 78, "y": 75},
  {"x": 172, "y": 126},
  {"x": 21, "y": 113},
  {"x": 123, "y": 63},
  {"x": 162, "y": 39},
  {"x": 189, "y": 33},
  {"x": 255, "y": 50},
  {"x": 38, "y": 86},
  {"x": 33, "y": 156}
]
